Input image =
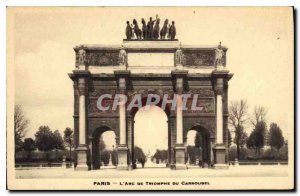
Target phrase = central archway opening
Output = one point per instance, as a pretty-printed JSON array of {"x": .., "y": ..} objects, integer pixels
[{"x": 151, "y": 138}]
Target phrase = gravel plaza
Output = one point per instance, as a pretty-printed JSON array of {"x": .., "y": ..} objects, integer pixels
[{"x": 232, "y": 171}]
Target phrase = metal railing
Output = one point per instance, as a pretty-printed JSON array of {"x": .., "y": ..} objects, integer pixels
[
  {"x": 43, "y": 165},
  {"x": 257, "y": 163}
]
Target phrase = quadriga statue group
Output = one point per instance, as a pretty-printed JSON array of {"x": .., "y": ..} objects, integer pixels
[{"x": 150, "y": 30}]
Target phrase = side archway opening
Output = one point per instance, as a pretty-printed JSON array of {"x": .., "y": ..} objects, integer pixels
[
  {"x": 103, "y": 148},
  {"x": 198, "y": 147}
]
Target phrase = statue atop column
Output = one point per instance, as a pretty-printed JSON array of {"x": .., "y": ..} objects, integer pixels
[
  {"x": 179, "y": 56},
  {"x": 81, "y": 56},
  {"x": 219, "y": 55},
  {"x": 122, "y": 57}
]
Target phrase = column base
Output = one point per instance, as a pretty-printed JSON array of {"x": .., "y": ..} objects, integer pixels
[
  {"x": 180, "y": 167},
  {"x": 221, "y": 166},
  {"x": 81, "y": 168},
  {"x": 180, "y": 158},
  {"x": 122, "y": 167},
  {"x": 82, "y": 158},
  {"x": 220, "y": 154},
  {"x": 122, "y": 158},
  {"x": 179, "y": 67}
]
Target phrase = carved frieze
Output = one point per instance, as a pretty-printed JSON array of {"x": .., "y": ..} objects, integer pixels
[
  {"x": 98, "y": 92},
  {"x": 199, "y": 58},
  {"x": 203, "y": 92},
  {"x": 200, "y": 105},
  {"x": 145, "y": 92},
  {"x": 103, "y": 58},
  {"x": 93, "y": 109}
]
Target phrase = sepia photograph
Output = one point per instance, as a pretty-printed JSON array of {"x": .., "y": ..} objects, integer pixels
[{"x": 150, "y": 98}]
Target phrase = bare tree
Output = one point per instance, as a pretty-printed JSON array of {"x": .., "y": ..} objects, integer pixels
[
  {"x": 259, "y": 115},
  {"x": 20, "y": 126},
  {"x": 238, "y": 117}
]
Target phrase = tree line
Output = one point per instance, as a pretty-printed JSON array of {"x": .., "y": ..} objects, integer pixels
[
  {"x": 260, "y": 136},
  {"x": 44, "y": 140}
]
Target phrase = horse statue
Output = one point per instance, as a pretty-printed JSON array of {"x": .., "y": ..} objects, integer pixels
[
  {"x": 137, "y": 30},
  {"x": 172, "y": 30},
  {"x": 164, "y": 30},
  {"x": 156, "y": 29},
  {"x": 144, "y": 29}
]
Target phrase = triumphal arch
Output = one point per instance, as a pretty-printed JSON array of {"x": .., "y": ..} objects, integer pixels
[{"x": 151, "y": 67}]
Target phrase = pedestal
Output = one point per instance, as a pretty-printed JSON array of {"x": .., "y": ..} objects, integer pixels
[
  {"x": 122, "y": 158},
  {"x": 180, "y": 158},
  {"x": 220, "y": 153},
  {"x": 82, "y": 158}
]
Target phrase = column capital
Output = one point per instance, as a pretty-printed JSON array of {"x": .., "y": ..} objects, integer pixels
[
  {"x": 179, "y": 73},
  {"x": 82, "y": 86},
  {"x": 219, "y": 91},
  {"x": 122, "y": 73},
  {"x": 80, "y": 74},
  {"x": 224, "y": 74},
  {"x": 179, "y": 77},
  {"x": 122, "y": 79}
]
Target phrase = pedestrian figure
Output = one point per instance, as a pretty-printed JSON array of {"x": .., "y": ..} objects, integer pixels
[{"x": 142, "y": 160}]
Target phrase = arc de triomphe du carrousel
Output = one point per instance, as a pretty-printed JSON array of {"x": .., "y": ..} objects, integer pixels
[{"x": 159, "y": 67}]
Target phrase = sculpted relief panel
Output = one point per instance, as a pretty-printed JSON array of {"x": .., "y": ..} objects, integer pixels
[
  {"x": 202, "y": 92},
  {"x": 205, "y": 103},
  {"x": 107, "y": 102},
  {"x": 94, "y": 110},
  {"x": 206, "y": 106},
  {"x": 103, "y": 58},
  {"x": 199, "y": 58}
]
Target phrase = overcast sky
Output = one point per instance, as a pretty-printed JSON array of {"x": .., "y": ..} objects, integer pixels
[{"x": 260, "y": 55}]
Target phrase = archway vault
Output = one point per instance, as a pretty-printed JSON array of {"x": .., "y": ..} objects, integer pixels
[{"x": 167, "y": 109}]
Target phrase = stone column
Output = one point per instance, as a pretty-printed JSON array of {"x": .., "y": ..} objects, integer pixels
[
  {"x": 219, "y": 149},
  {"x": 122, "y": 148},
  {"x": 179, "y": 148},
  {"x": 219, "y": 125},
  {"x": 122, "y": 121},
  {"x": 91, "y": 152},
  {"x": 130, "y": 140},
  {"x": 179, "y": 126},
  {"x": 172, "y": 132},
  {"x": 133, "y": 159},
  {"x": 211, "y": 151},
  {"x": 82, "y": 149}
]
